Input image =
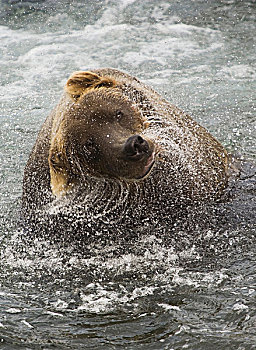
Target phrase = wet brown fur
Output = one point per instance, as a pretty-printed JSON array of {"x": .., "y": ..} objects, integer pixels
[{"x": 194, "y": 167}]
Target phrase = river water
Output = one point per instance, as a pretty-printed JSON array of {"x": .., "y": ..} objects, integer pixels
[{"x": 200, "y": 55}]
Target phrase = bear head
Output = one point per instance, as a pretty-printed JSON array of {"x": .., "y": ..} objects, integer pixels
[{"x": 97, "y": 132}]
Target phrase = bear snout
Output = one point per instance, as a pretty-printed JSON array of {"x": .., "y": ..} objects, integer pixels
[{"x": 135, "y": 148}]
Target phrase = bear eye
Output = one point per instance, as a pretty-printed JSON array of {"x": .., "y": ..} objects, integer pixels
[{"x": 119, "y": 115}]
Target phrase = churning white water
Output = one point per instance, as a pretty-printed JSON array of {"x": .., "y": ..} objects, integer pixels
[{"x": 194, "y": 291}]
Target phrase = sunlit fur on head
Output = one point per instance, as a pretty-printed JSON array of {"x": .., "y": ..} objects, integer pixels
[
  {"x": 81, "y": 82},
  {"x": 67, "y": 153}
]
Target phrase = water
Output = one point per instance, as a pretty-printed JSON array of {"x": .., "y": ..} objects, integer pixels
[{"x": 201, "y": 56}]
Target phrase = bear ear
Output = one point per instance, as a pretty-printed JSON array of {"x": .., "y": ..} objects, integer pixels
[{"x": 81, "y": 82}]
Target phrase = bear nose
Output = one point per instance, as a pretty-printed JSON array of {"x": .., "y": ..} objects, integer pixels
[{"x": 135, "y": 147}]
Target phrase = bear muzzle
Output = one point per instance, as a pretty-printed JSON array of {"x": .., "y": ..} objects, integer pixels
[
  {"x": 137, "y": 149},
  {"x": 148, "y": 167}
]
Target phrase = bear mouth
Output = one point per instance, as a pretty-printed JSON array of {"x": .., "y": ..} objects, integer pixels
[{"x": 148, "y": 167}]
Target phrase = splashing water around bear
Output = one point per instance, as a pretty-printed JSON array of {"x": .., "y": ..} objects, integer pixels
[{"x": 116, "y": 156}]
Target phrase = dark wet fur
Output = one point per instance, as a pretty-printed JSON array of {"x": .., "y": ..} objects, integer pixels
[{"x": 211, "y": 228}]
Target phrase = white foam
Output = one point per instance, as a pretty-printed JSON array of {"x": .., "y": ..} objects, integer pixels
[
  {"x": 240, "y": 307},
  {"x": 170, "y": 308},
  {"x": 60, "y": 304},
  {"x": 27, "y": 324},
  {"x": 54, "y": 314},
  {"x": 238, "y": 72},
  {"x": 13, "y": 310}
]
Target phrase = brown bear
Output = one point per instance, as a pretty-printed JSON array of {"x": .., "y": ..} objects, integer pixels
[{"x": 115, "y": 145}]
